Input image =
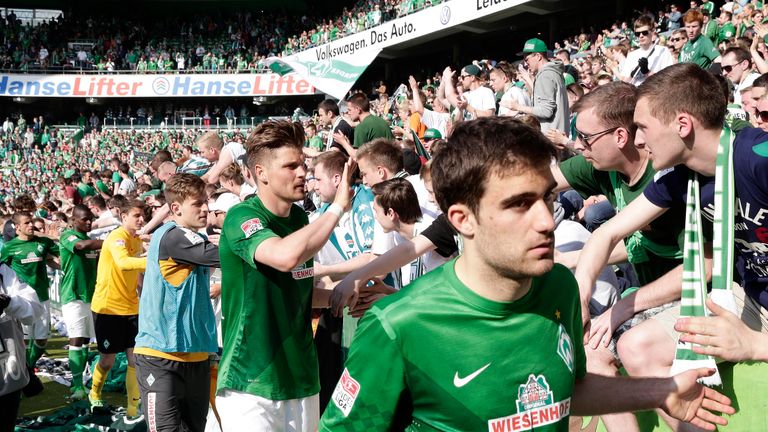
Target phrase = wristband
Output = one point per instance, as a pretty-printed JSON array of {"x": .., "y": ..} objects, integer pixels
[{"x": 335, "y": 209}]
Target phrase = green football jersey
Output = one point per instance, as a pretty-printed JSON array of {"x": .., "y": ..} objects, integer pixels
[
  {"x": 79, "y": 268},
  {"x": 27, "y": 259},
  {"x": 437, "y": 356},
  {"x": 700, "y": 51},
  {"x": 268, "y": 346},
  {"x": 86, "y": 190}
]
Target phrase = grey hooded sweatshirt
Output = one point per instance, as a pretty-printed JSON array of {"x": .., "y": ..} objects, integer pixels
[{"x": 550, "y": 100}]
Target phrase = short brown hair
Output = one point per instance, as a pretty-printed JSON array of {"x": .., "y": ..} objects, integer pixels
[
  {"x": 361, "y": 101},
  {"x": 129, "y": 205},
  {"x": 685, "y": 87},
  {"x": 693, "y": 16},
  {"x": 644, "y": 21},
  {"x": 182, "y": 186},
  {"x": 232, "y": 172},
  {"x": 210, "y": 140},
  {"x": 332, "y": 161},
  {"x": 272, "y": 135},
  {"x": 614, "y": 105},
  {"x": 399, "y": 195},
  {"x": 382, "y": 152},
  {"x": 479, "y": 148}
]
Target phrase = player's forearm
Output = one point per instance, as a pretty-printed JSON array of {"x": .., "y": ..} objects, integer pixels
[
  {"x": 395, "y": 258},
  {"x": 302, "y": 245},
  {"x": 157, "y": 219},
  {"x": 342, "y": 269},
  {"x": 89, "y": 244},
  {"x": 127, "y": 263},
  {"x": 597, "y": 394}
]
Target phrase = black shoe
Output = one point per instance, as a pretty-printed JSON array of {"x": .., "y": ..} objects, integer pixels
[{"x": 35, "y": 386}]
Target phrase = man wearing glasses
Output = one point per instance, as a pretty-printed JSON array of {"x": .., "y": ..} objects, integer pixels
[
  {"x": 611, "y": 165},
  {"x": 737, "y": 67},
  {"x": 550, "y": 100},
  {"x": 477, "y": 100},
  {"x": 648, "y": 58}
]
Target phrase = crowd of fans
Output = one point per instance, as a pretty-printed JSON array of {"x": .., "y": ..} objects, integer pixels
[
  {"x": 600, "y": 135},
  {"x": 225, "y": 43}
]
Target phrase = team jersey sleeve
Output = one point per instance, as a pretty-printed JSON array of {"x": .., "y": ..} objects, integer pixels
[
  {"x": 367, "y": 395},
  {"x": 50, "y": 246},
  {"x": 68, "y": 241},
  {"x": 188, "y": 247},
  {"x": 581, "y": 175},
  {"x": 245, "y": 229},
  {"x": 117, "y": 246}
]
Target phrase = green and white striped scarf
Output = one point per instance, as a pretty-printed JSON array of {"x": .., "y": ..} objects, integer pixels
[{"x": 694, "y": 290}]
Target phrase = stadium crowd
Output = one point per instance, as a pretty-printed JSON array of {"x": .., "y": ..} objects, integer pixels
[
  {"x": 436, "y": 212},
  {"x": 224, "y": 43}
]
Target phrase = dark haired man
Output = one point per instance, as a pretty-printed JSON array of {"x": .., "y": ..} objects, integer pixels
[
  {"x": 268, "y": 372},
  {"x": 500, "y": 323}
]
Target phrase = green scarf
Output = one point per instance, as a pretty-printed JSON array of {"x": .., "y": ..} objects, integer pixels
[{"x": 694, "y": 279}]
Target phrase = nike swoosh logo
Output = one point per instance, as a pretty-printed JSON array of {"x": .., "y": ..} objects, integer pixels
[{"x": 461, "y": 382}]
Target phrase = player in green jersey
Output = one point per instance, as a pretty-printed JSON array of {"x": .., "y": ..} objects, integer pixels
[
  {"x": 28, "y": 255},
  {"x": 79, "y": 259},
  {"x": 268, "y": 374},
  {"x": 491, "y": 340}
]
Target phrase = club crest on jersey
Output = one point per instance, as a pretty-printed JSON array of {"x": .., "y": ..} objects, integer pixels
[
  {"x": 31, "y": 257},
  {"x": 39, "y": 248},
  {"x": 565, "y": 347},
  {"x": 251, "y": 227},
  {"x": 533, "y": 394},
  {"x": 302, "y": 272},
  {"x": 536, "y": 407},
  {"x": 345, "y": 393}
]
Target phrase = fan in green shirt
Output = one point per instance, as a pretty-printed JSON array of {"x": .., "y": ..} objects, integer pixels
[
  {"x": 370, "y": 126},
  {"x": 699, "y": 50}
]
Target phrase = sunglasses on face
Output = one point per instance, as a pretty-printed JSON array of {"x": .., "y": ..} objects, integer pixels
[
  {"x": 589, "y": 139},
  {"x": 642, "y": 33},
  {"x": 727, "y": 68},
  {"x": 762, "y": 115},
  {"x": 676, "y": 39}
]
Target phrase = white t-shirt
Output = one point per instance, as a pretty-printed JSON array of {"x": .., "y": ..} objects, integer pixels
[
  {"x": 516, "y": 94},
  {"x": 481, "y": 98},
  {"x": 658, "y": 59},
  {"x": 127, "y": 186},
  {"x": 436, "y": 120},
  {"x": 571, "y": 236},
  {"x": 428, "y": 209},
  {"x": 236, "y": 150}
]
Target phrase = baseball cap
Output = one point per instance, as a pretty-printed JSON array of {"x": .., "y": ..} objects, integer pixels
[
  {"x": 224, "y": 202},
  {"x": 471, "y": 70},
  {"x": 431, "y": 134},
  {"x": 534, "y": 46}
]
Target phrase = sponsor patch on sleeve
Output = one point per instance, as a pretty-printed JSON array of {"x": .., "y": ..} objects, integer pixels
[
  {"x": 193, "y": 237},
  {"x": 251, "y": 227},
  {"x": 345, "y": 393},
  {"x": 72, "y": 238},
  {"x": 120, "y": 243}
]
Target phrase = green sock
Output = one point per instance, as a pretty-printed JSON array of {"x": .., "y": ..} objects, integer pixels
[
  {"x": 77, "y": 365},
  {"x": 34, "y": 354}
]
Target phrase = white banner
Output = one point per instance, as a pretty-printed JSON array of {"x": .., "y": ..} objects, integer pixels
[
  {"x": 335, "y": 67},
  {"x": 161, "y": 85}
]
